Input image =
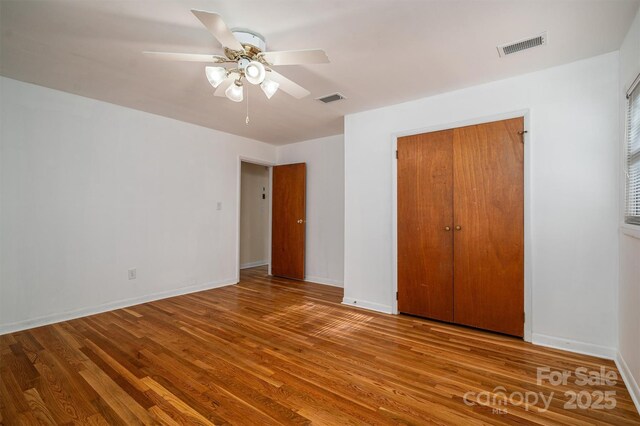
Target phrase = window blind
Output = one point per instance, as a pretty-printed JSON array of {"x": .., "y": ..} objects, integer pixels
[{"x": 632, "y": 204}]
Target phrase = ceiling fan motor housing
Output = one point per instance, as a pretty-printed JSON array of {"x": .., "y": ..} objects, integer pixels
[{"x": 250, "y": 38}]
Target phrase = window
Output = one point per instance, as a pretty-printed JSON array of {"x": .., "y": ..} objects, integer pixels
[{"x": 632, "y": 168}]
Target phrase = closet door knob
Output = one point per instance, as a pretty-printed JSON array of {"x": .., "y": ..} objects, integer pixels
[
  {"x": 458, "y": 227},
  {"x": 447, "y": 228}
]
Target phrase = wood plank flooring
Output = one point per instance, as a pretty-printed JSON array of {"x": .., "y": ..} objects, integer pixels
[{"x": 273, "y": 351}]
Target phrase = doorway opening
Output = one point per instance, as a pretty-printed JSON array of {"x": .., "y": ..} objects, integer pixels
[{"x": 255, "y": 220}]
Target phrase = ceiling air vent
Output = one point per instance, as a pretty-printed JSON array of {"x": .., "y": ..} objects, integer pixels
[
  {"x": 331, "y": 98},
  {"x": 520, "y": 45}
]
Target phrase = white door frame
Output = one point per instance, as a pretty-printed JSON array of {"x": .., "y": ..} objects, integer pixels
[
  {"x": 528, "y": 265},
  {"x": 259, "y": 162}
]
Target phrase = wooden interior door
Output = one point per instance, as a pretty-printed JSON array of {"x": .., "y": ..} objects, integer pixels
[
  {"x": 488, "y": 181},
  {"x": 288, "y": 221},
  {"x": 425, "y": 222}
]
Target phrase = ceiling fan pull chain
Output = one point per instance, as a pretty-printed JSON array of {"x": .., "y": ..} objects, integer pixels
[{"x": 247, "y": 119}]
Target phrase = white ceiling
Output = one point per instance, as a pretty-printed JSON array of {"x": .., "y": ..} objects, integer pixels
[{"x": 382, "y": 52}]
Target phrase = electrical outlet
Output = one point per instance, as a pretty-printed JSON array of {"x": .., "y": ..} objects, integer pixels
[{"x": 132, "y": 273}]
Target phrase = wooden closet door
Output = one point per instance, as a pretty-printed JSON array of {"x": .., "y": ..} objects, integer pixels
[
  {"x": 425, "y": 211},
  {"x": 288, "y": 220},
  {"x": 489, "y": 209}
]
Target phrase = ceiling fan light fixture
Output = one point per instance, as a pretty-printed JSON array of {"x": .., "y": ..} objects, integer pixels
[
  {"x": 269, "y": 87},
  {"x": 255, "y": 72},
  {"x": 235, "y": 92},
  {"x": 245, "y": 49},
  {"x": 215, "y": 75}
]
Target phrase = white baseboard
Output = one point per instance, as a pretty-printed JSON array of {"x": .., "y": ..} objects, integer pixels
[
  {"x": 325, "y": 281},
  {"x": 110, "y": 306},
  {"x": 386, "y": 309},
  {"x": 574, "y": 346},
  {"x": 629, "y": 380},
  {"x": 254, "y": 264}
]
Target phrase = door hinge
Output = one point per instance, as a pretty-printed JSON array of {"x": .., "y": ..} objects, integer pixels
[
  {"x": 396, "y": 295},
  {"x": 524, "y": 317},
  {"x": 396, "y": 154}
]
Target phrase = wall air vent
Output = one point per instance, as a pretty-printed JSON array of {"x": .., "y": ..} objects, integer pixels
[
  {"x": 331, "y": 98},
  {"x": 520, "y": 45}
]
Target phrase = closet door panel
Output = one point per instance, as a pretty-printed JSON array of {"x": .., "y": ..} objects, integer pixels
[
  {"x": 488, "y": 163},
  {"x": 425, "y": 209}
]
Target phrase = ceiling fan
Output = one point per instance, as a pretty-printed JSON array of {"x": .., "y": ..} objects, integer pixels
[{"x": 245, "y": 51}]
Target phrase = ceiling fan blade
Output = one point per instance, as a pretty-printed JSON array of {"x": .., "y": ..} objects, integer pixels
[
  {"x": 296, "y": 57},
  {"x": 216, "y": 26},
  {"x": 188, "y": 57},
  {"x": 225, "y": 84},
  {"x": 288, "y": 86}
]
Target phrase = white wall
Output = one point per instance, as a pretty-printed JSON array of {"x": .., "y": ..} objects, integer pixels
[
  {"x": 325, "y": 205},
  {"x": 254, "y": 215},
  {"x": 629, "y": 291},
  {"x": 573, "y": 192},
  {"x": 90, "y": 189}
]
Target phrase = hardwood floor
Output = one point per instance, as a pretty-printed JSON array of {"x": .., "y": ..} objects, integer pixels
[{"x": 273, "y": 351}]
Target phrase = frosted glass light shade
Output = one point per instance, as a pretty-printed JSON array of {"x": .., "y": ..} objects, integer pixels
[
  {"x": 255, "y": 72},
  {"x": 269, "y": 87},
  {"x": 235, "y": 92},
  {"x": 215, "y": 75}
]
